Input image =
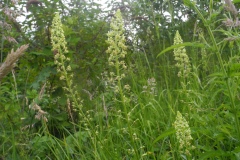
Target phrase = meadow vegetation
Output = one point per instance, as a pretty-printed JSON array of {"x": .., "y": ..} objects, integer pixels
[{"x": 149, "y": 80}]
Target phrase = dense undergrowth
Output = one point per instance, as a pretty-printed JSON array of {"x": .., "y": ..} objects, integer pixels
[{"x": 124, "y": 97}]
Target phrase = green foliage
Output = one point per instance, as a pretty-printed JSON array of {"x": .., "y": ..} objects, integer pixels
[{"x": 37, "y": 115}]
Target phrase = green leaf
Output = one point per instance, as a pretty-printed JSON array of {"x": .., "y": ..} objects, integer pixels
[
  {"x": 212, "y": 154},
  {"x": 235, "y": 66},
  {"x": 38, "y": 53},
  {"x": 165, "y": 134},
  {"x": 236, "y": 1},
  {"x": 187, "y": 3},
  {"x": 74, "y": 40},
  {"x": 236, "y": 152},
  {"x": 234, "y": 74},
  {"x": 234, "y": 70},
  {"x": 7, "y": 106},
  {"x": 43, "y": 76},
  {"x": 181, "y": 45},
  {"x": 217, "y": 74}
]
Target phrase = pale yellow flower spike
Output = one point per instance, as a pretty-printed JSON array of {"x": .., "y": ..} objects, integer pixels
[
  {"x": 181, "y": 57},
  {"x": 57, "y": 35},
  {"x": 116, "y": 40},
  {"x": 183, "y": 134},
  {"x": 59, "y": 46},
  {"x": 117, "y": 51}
]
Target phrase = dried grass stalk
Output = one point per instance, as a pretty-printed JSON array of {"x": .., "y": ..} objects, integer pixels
[
  {"x": 10, "y": 61},
  {"x": 40, "y": 114}
]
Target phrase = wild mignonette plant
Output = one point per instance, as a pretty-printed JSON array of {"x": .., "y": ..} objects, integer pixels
[
  {"x": 62, "y": 62},
  {"x": 117, "y": 52}
]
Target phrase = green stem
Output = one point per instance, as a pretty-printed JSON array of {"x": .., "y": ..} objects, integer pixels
[
  {"x": 69, "y": 85},
  {"x": 125, "y": 107},
  {"x": 222, "y": 68},
  {"x": 76, "y": 101}
]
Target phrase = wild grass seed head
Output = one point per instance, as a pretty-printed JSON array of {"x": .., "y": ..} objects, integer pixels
[
  {"x": 11, "y": 60},
  {"x": 230, "y": 7}
]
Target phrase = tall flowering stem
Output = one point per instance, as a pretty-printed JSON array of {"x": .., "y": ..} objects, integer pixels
[
  {"x": 117, "y": 52},
  {"x": 62, "y": 62}
]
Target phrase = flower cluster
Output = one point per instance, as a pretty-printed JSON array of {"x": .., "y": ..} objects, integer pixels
[
  {"x": 57, "y": 35},
  {"x": 116, "y": 40},
  {"x": 150, "y": 88},
  {"x": 230, "y": 7},
  {"x": 231, "y": 23},
  {"x": 59, "y": 47},
  {"x": 183, "y": 134},
  {"x": 181, "y": 57},
  {"x": 40, "y": 114},
  {"x": 117, "y": 52},
  {"x": 63, "y": 67}
]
